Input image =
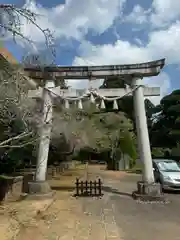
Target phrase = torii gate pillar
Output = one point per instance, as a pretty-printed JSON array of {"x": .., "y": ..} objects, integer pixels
[
  {"x": 147, "y": 189},
  {"x": 40, "y": 186},
  {"x": 142, "y": 130}
]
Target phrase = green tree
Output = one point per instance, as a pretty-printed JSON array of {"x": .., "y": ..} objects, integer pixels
[
  {"x": 165, "y": 129},
  {"x": 125, "y": 104}
]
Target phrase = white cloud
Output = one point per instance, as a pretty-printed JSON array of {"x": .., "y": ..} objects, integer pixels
[
  {"x": 73, "y": 19},
  {"x": 161, "y": 43},
  {"x": 164, "y": 43},
  {"x": 164, "y": 12},
  {"x": 138, "y": 15},
  {"x": 76, "y": 17},
  {"x": 121, "y": 52}
]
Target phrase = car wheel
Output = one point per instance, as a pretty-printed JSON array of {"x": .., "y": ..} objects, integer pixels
[
  {"x": 161, "y": 185},
  {"x": 162, "y": 189}
]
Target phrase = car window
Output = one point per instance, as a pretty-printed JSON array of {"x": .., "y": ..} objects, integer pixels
[{"x": 168, "y": 166}]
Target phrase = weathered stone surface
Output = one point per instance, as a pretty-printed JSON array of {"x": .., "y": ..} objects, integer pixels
[
  {"x": 148, "y": 192},
  {"x": 26, "y": 179},
  {"x": 39, "y": 190},
  {"x": 78, "y": 72}
]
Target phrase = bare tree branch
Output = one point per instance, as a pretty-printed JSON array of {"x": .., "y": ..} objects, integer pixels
[
  {"x": 20, "y": 145},
  {"x": 18, "y": 137},
  {"x": 10, "y": 22},
  {"x": 14, "y": 102}
]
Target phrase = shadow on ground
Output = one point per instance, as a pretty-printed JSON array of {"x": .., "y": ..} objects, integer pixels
[
  {"x": 176, "y": 192},
  {"x": 115, "y": 191},
  {"x": 56, "y": 178},
  {"x": 63, "y": 188}
]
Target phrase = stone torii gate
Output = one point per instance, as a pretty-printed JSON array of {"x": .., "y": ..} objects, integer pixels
[{"x": 133, "y": 74}]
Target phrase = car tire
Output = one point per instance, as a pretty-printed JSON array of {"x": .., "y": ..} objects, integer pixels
[
  {"x": 162, "y": 189},
  {"x": 161, "y": 185}
]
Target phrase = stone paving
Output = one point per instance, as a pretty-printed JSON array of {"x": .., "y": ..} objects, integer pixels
[{"x": 115, "y": 216}]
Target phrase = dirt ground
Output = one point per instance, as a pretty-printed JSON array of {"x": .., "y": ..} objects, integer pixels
[{"x": 114, "y": 216}]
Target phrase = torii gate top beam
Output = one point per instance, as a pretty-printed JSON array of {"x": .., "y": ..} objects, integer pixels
[{"x": 84, "y": 72}]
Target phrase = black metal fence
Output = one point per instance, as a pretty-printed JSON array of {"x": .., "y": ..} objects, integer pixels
[{"x": 88, "y": 188}]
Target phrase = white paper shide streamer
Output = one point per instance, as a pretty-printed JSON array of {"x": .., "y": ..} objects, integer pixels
[
  {"x": 93, "y": 95},
  {"x": 92, "y": 99},
  {"x": 66, "y": 104},
  {"x": 102, "y": 104},
  {"x": 115, "y": 105},
  {"x": 80, "y": 106}
]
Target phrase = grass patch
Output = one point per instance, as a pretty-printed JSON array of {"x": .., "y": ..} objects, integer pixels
[
  {"x": 136, "y": 169},
  {"x": 4, "y": 177}
]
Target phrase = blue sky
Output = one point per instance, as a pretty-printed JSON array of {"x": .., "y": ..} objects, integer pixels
[{"x": 108, "y": 32}]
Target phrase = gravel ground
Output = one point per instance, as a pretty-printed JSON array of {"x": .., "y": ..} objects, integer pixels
[
  {"x": 137, "y": 220},
  {"x": 143, "y": 220},
  {"x": 115, "y": 216}
]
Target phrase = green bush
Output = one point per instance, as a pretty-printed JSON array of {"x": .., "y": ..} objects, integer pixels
[
  {"x": 127, "y": 146},
  {"x": 158, "y": 152}
]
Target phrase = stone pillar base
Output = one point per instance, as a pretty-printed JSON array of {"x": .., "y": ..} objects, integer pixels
[
  {"x": 148, "y": 192},
  {"x": 39, "y": 190}
]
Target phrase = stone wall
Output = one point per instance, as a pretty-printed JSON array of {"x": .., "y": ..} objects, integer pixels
[
  {"x": 14, "y": 190},
  {"x": 20, "y": 183}
]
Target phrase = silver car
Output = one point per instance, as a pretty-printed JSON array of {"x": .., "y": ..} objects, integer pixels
[{"x": 167, "y": 173}]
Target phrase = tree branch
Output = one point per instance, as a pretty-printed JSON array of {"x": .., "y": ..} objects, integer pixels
[
  {"x": 21, "y": 145},
  {"x": 11, "y": 14},
  {"x": 18, "y": 137}
]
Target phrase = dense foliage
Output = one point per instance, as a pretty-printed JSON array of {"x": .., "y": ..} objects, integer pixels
[{"x": 165, "y": 129}]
